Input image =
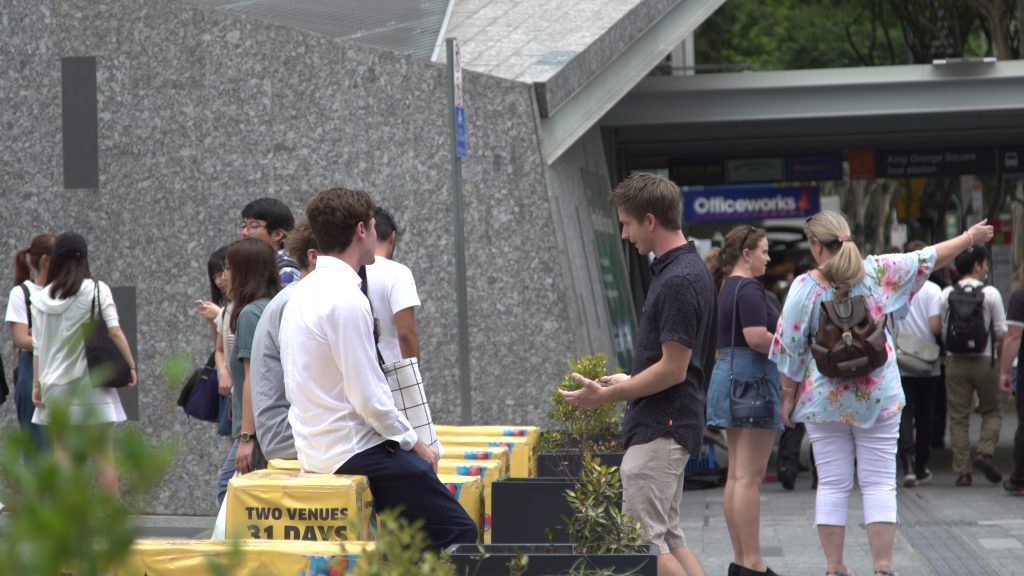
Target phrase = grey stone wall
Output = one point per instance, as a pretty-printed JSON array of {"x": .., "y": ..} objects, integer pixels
[{"x": 201, "y": 112}]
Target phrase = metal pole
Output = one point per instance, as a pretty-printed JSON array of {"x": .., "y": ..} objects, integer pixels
[{"x": 459, "y": 232}]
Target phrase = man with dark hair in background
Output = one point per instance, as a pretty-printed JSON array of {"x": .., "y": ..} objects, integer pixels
[
  {"x": 392, "y": 293},
  {"x": 973, "y": 371},
  {"x": 269, "y": 403},
  {"x": 270, "y": 220},
  {"x": 342, "y": 414}
]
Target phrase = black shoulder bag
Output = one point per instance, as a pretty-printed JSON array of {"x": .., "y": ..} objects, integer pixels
[{"x": 107, "y": 366}]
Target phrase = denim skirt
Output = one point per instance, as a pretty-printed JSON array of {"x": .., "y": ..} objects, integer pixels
[{"x": 747, "y": 364}]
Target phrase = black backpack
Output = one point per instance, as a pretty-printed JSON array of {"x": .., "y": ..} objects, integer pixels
[{"x": 966, "y": 332}]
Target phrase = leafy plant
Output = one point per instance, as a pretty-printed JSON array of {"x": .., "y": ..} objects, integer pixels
[
  {"x": 597, "y": 524},
  {"x": 59, "y": 520},
  {"x": 398, "y": 551},
  {"x": 588, "y": 429}
]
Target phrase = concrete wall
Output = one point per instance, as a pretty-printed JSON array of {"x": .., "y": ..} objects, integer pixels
[{"x": 201, "y": 112}]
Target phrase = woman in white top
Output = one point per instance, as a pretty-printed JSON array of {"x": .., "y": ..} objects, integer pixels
[
  {"x": 61, "y": 374},
  {"x": 30, "y": 267}
]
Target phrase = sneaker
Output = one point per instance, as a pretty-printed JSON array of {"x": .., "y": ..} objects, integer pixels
[
  {"x": 964, "y": 479},
  {"x": 924, "y": 476},
  {"x": 1013, "y": 488},
  {"x": 984, "y": 463},
  {"x": 909, "y": 480}
]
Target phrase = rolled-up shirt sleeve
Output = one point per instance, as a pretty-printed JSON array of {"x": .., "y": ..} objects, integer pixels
[{"x": 350, "y": 333}]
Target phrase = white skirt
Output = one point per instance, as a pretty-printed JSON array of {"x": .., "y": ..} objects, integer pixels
[{"x": 89, "y": 405}]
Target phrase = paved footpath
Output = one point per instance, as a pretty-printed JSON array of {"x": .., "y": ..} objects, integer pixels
[{"x": 944, "y": 530}]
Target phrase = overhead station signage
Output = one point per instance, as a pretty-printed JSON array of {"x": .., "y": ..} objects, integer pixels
[
  {"x": 935, "y": 162},
  {"x": 746, "y": 203}
]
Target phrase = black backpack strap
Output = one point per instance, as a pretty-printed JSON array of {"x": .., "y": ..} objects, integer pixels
[{"x": 28, "y": 303}]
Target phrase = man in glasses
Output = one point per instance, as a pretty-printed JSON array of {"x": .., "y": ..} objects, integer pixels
[{"x": 270, "y": 220}]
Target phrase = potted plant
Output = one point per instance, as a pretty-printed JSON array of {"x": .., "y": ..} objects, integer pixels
[
  {"x": 601, "y": 538},
  {"x": 596, "y": 431},
  {"x": 530, "y": 509}
]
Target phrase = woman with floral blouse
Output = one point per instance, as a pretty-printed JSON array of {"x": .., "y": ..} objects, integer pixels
[{"x": 852, "y": 421}]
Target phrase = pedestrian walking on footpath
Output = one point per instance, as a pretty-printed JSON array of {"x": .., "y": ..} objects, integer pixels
[
  {"x": 973, "y": 324},
  {"x": 921, "y": 379},
  {"x": 1009, "y": 381},
  {"x": 664, "y": 425},
  {"x": 842, "y": 381},
  {"x": 61, "y": 373},
  {"x": 30, "y": 275},
  {"x": 746, "y": 322}
]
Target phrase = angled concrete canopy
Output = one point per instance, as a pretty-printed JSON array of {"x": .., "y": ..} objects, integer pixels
[
  {"x": 800, "y": 109},
  {"x": 581, "y": 56},
  {"x": 405, "y": 26}
]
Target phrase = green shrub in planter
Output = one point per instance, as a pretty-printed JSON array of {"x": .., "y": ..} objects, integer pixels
[{"x": 589, "y": 430}]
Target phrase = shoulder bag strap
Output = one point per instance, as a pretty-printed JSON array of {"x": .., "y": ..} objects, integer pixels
[
  {"x": 95, "y": 299},
  {"x": 28, "y": 303},
  {"x": 732, "y": 344},
  {"x": 366, "y": 292}
]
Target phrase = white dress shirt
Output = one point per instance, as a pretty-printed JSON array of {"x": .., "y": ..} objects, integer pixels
[{"x": 340, "y": 401}]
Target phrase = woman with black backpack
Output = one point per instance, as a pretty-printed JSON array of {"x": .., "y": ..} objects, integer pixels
[{"x": 839, "y": 374}]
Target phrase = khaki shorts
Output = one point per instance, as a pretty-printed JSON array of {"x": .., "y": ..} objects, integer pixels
[{"x": 652, "y": 488}]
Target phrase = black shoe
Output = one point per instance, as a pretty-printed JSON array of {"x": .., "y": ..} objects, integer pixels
[
  {"x": 734, "y": 569},
  {"x": 744, "y": 571},
  {"x": 923, "y": 476},
  {"x": 964, "y": 479},
  {"x": 787, "y": 476},
  {"x": 984, "y": 463},
  {"x": 1013, "y": 488}
]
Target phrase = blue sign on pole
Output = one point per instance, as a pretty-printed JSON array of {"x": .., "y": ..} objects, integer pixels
[
  {"x": 745, "y": 203},
  {"x": 460, "y": 131}
]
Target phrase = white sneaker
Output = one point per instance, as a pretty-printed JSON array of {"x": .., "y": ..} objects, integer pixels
[{"x": 909, "y": 480}]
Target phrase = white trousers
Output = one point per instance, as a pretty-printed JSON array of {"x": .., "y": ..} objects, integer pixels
[{"x": 838, "y": 448}]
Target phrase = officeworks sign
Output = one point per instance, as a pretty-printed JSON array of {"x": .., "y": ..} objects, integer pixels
[{"x": 744, "y": 203}]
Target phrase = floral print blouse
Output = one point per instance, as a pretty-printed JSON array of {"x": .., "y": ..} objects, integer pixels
[{"x": 889, "y": 282}]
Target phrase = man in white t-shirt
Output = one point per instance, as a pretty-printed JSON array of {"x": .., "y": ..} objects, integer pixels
[
  {"x": 392, "y": 293},
  {"x": 916, "y": 419},
  {"x": 969, "y": 373}
]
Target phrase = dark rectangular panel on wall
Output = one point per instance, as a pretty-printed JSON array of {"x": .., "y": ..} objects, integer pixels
[
  {"x": 79, "y": 122},
  {"x": 127, "y": 316}
]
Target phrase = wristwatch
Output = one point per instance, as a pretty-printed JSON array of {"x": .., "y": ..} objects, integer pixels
[{"x": 246, "y": 437}]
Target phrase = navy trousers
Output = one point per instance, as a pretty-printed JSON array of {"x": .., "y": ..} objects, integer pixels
[
  {"x": 400, "y": 479},
  {"x": 23, "y": 403}
]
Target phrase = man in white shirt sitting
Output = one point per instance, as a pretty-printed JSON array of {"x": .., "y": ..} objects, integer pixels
[
  {"x": 392, "y": 292},
  {"x": 342, "y": 414}
]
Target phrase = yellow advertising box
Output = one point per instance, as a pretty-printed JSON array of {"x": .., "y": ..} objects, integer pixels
[
  {"x": 487, "y": 470},
  {"x": 522, "y": 461},
  {"x": 468, "y": 490},
  {"x": 254, "y": 557},
  {"x": 287, "y": 465},
  {"x": 278, "y": 505},
  {"x": 530, "y": 432},
  {"x": 477, "y": 452}
]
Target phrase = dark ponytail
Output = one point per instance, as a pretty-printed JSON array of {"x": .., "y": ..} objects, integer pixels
[{"x": 29, "y": 259}]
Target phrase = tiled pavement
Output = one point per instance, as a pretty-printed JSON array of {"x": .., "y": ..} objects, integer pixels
[{"x": 944, "y": 530}]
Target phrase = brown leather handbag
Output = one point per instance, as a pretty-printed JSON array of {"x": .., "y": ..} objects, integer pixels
[{"x": 849, "y": 344}]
